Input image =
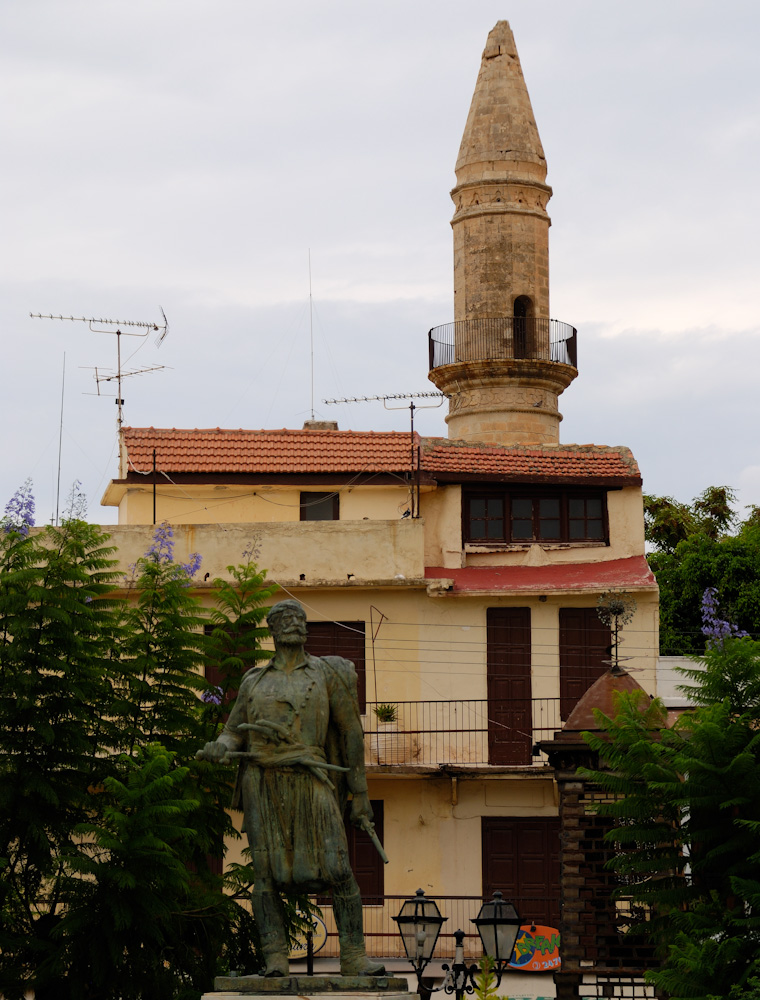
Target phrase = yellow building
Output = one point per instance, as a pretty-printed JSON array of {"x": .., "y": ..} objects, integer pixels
[{"x": 462, "y": 574}]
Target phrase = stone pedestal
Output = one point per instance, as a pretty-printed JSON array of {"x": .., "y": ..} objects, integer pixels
[{"x": 348, "y": 987}]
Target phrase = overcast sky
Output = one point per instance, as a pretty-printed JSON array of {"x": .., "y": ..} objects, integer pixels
[{"x": 188, "y": 154}]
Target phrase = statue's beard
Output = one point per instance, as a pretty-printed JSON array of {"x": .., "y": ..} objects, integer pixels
[{"x": 292, "y": 637}]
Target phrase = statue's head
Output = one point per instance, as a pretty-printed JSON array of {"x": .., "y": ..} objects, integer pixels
[{"x": 287, "y": 623}]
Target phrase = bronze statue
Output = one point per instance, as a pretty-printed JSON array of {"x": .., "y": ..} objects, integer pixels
[{"x": 296, "y": 731}]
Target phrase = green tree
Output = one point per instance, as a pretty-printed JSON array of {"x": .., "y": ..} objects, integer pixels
[
  {"x": 235, "y": 632},
  {"x": 108, "y": 823},
  {"x": 686, "y": 813},
  {"x": 695, "y": 547}
]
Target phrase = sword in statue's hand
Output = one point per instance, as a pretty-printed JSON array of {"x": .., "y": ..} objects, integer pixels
[{"x": 369, "y": 829}]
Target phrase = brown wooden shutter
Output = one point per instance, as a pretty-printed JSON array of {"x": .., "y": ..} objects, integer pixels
[
  {"x": 344, "y": 639},
  {"x": 584, "y": 645},
  {"x": 521, "y": 858},
  {"x": 509, "y": 686},
  {"x": 365, "y": 861}
]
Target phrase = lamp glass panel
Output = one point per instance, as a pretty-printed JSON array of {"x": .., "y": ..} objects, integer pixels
[
  {"x": 419, "y": 924},
  {"x": 498, "y": 924}
]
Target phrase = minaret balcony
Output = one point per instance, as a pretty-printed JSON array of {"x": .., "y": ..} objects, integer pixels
[{"x": 508, "y": 338}]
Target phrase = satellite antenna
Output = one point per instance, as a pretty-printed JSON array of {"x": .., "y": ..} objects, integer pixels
[
  {"x": 136, "y": 329},
  {"x": 414, "y": 451}
]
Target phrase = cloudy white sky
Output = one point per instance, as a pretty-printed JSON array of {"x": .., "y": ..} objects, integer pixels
[{"x": 190, "y": 153}]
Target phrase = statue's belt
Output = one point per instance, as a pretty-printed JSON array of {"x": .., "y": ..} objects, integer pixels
[{"x": 284, "y": 750}]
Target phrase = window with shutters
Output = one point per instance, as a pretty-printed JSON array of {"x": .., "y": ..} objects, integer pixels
[
  {"x": 494, "y": 515},
  {"x": 508, "y": 658},
  {"x": 584, "y": 654},
  {"x": 344, "y": 639},
  {"x": 521, "y": 859}
]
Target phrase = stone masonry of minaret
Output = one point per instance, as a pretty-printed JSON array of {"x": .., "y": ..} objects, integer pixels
[{"x": 503, "y": 376}]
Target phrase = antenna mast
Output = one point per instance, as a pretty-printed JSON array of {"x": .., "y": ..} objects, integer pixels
[
  {"x": 311, "y": 337},
  {"x": 60, "y": 442},
  {"x": 414, "y": 451},
  {"x": 96, "y": 325}
]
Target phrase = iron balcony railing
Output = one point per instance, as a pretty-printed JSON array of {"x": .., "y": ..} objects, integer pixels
[
  {"x": 474, "y": 731},
  {"x": 383, "y": 938},
  {"x": 505, "y": 338}
]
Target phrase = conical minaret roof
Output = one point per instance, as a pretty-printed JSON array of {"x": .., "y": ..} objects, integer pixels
[{"x": 501, "y": 134}]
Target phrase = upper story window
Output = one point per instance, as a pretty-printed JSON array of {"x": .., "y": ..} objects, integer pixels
[
  {"x": 534, "y": 515},
  {"x": 320, "y": 506}
]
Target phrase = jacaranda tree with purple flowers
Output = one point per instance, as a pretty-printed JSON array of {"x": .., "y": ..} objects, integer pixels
[
  {"x": 699, "y": 547},
  {"x": 19, "y": 511},
  {"x": 110, "y": 830},
  {"x": 714, "y": 628}
]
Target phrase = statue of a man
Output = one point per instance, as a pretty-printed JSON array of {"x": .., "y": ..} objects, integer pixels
[{"x": 296, "y": 730}]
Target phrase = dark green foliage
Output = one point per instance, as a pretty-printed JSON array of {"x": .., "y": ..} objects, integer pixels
[
  {"x": 748, "y": 991},
  {"x": 108, "y": 823},
  {"x": 668, "y": 522},
  {"x": 235, "y": 632},
  {"x": 687, "y": 822},
  {"x": 127, "y": 925},
  {"x": 694, "y": 551}
]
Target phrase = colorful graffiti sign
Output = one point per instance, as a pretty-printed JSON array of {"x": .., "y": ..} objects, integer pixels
[
  {"x": 319, "y": 938},
  {"x": 536, "y": 949}
]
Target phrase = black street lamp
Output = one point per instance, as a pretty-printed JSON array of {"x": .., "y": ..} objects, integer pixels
[
  {"x": 419, "y": 922},
  {"x": 498, "y": 925}
]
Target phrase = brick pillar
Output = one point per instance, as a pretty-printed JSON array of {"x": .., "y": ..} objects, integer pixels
[{"x": 598, "y": 958}]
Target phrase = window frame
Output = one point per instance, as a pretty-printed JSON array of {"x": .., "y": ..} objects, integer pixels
[
  {"x": 507, "y": 495},
  {"x": 342, "y": 638},
  {"x": 309, "y": 499}
]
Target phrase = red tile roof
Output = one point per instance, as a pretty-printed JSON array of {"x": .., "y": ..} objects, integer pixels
[
  {"x": 219, "y": 451},
  {"x": 632, "y": 573},
  {"x": 444, "y": 456},
  {"x": 255, "y": 452}
]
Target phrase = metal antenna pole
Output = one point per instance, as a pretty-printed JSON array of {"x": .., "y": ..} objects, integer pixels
[
  {"x": 60, "y": 443},
  {"x": 119, "y": 400},
  {"x": 95, "y": 325},
  {"x": 311, "y": 337},
  {"x": 414, "y": 466}
]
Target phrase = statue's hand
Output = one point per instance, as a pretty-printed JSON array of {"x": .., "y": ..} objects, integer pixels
[
  {"x": 361, "y": 810},
  {"x": 214, "y": 752}
]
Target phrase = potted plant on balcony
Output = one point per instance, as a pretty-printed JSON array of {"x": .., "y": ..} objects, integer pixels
[
  {"x": 385, "y": 713},
  {"x": 389, "y": 744}
]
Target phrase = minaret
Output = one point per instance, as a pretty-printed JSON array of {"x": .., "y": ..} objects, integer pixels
[{"x": 503, "y": 362}]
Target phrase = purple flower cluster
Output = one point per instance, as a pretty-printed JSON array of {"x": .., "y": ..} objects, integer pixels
[
  {"x": 162, "y": 551},
  {"x": 19, "y": 511},
  {"x": 192, "y": 567},
  {"x": 716, "y": 629},
  {"x": 212, "y": 696}
]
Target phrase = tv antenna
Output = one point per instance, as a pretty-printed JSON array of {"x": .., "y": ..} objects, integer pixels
[
  {"x": 414, "y": 450},
  {"x": 136, "y": 329}
]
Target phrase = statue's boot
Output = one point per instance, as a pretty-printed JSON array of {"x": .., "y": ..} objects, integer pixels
[
  {"x": 347, "y": 908},
  {"x": 270, "y": 919}
]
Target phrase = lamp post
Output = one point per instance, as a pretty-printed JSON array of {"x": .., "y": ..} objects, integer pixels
[
  {"x": 498, "y": 924},
  {"x": 419, "y": 922}
]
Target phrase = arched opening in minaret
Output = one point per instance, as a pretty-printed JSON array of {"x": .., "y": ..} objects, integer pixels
[{"x": 522, "y": 313}]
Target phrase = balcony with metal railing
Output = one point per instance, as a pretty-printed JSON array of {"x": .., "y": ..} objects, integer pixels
[
  {"x": 461, "y": 733},
  {"x": 507, "y": 338}
]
